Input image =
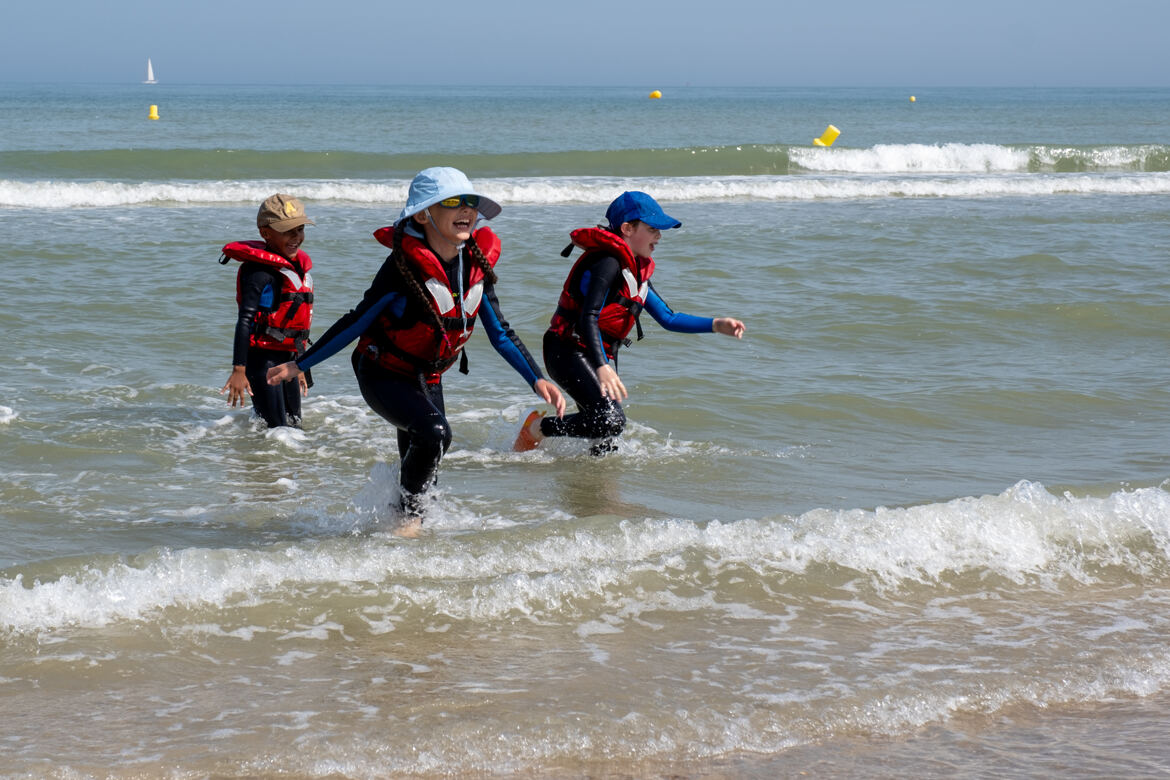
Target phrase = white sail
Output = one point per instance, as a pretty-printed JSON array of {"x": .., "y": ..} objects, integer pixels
[{"x": 149, "y": 73}]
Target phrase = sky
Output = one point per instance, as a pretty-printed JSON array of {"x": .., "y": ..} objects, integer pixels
[{"x": 639, "y": 43}]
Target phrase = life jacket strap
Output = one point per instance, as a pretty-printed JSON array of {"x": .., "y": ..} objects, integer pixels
[
  {"x": 300, "y": 338},
  {"x": 376, "y": 350},
  {"x": 297, "y": 299},
  {"x": 635, "y": 309},
  {"x": 454, "y": 324}
]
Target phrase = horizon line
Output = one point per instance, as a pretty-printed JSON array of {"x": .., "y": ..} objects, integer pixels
[{"x": 443, "y": 85}]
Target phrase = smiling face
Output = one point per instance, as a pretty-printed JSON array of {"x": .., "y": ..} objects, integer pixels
[
  {"x": 285, "y": 244},
  {"x": 641, "y": 238},
  {"x": 446, "y": 229}
]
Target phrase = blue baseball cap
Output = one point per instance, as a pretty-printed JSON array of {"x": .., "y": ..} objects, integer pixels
[
  {"x": 630, "y": 206},
  {"x": 436, "y": 184}
]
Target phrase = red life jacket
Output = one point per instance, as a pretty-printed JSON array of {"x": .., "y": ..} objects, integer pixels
[
  {"x": 286, "y": 325},
  {"x": 421, "y": 347},
  {"x": 618, "y": 316}
]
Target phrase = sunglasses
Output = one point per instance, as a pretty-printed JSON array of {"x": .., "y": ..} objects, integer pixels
[{"x": 461, "y": 200}]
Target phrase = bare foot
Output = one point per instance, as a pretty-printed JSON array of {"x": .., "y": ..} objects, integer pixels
[{"x": 409, "y": 528}]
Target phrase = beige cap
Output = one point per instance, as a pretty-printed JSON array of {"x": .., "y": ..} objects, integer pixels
[{"x": 281, "y": 213}]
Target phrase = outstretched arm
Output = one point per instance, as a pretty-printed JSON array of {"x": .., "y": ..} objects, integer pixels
[
  {"x": 688, "y": 323},
  {"x": 381, "y": 295}
]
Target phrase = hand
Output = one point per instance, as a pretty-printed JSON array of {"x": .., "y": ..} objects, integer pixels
[
  {"x": 728, "y": 327},
  {"x": 551, "y": 394},
  {"x": 285, "y": 372},
  {"x": 611, "y": 385},
  {"x": 237, "y": 387},
  {"x": 304, "y": 383}
]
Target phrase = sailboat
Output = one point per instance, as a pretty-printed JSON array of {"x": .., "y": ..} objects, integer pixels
[{"x": 149, "y": 73}]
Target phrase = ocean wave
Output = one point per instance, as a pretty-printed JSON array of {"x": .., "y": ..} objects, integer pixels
[
  {"x": 712, "y": 160},
  {"x": 1025, "y": 536},
  {"x": 981, "y": 158},
  {"x": 589, "y": 190},
  {"x": 913, "y": 158}
]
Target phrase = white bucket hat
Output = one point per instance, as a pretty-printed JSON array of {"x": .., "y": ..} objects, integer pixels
[{"x": 436, "y": 184}]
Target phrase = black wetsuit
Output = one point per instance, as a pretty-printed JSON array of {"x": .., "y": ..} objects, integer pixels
[
  {"x": 279, "y": 405},
  {"x": 573, "y": 362},
  {"x": 409, "y": 403}
]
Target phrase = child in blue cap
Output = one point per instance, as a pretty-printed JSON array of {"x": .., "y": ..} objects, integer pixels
[
  {"x": 608, "y": 287},
  {"x": 413, "y": 321}
]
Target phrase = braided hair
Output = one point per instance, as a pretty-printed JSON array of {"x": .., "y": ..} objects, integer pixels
[
  {"x": 473, "y": 249},
  {"x": 411, "y": 279}
]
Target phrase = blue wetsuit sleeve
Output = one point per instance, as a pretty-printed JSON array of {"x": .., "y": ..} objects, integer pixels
[
  {"x": 675, "y": 321},
  {"x": 504, "y": 339},
  {"x": 380, "y": 296}
]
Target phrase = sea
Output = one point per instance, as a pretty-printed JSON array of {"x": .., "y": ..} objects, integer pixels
[{"x": 916, "y": 523}]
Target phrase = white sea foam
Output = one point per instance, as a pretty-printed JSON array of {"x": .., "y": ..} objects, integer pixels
[
  {"x": 1025, "y": 534},
  {"x": 970, "y": 158},
  {"x": 109, "y": 194},
  {"x": 923, "y": 183},
  {"x": 914, "y": 158},
  {"x": 798, "y": 188}
]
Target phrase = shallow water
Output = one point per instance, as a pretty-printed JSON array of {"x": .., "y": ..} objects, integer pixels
[{"x": 916, "y": 521}]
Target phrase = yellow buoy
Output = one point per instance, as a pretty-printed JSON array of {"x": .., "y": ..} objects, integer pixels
[
  {"x": 153, "y": 113},
  {"x": 828, "y": 137},
  {"x": 655, "y": 94},
  {"x": 912, "y": 98}
]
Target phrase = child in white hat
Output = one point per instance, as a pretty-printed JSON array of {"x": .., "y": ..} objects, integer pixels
[{"x": 415, "y": 318}]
